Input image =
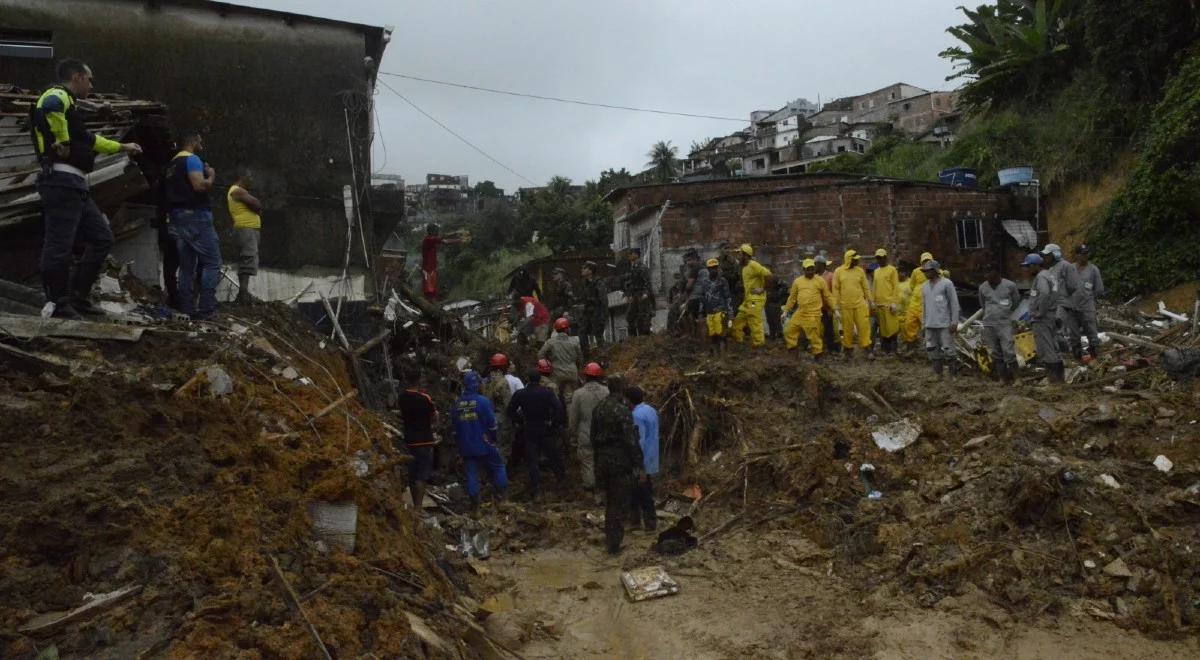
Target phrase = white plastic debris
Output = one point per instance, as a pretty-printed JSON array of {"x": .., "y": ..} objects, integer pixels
[
  {"x": 110, "y": 285},
  {"x": 1089, "y": 564},
  {"x": 290, "y": 373},
  {"x": 897, "y": 435},
  {"x": 1162, "y": 309},
  {"x": 1163, "y": 463},
  {"x": 219, "y": 382},
  {"x": 1108, "y": 480}
]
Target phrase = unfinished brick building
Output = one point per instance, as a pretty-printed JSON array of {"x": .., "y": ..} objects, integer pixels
[{"x": 790, "y": 217}]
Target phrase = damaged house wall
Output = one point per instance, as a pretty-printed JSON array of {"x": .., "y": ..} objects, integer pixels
[
  {"x": 273, "y": 91},
  {"x": 787, "y": 217}
]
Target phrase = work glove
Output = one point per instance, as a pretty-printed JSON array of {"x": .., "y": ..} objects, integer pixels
[{"x": 892, "y": 308}]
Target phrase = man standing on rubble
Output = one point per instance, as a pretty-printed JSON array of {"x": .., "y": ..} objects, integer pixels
[
  {"x": 582, "y": 407},
  {"x": 941, "y": 314},
  {"x": 559, "y": 296},
  {"x": 188, "y": 184},
  {"x": 499, "y": 388},
  {"x": 474, "y": 423},
  {"x": 539, "y": 414},
  {"x": 595, "y": 307},
  {"x": 638, "y": 295},
  {"x": 66, "y": 152},
  {"x": 245, "y": 209},
  {"x": 566, "y": 357},
  {"x": 694, "y": 278},
  {"x": 750, "y": 312},
  {"x": 1067, "y": 277},
  {"x": 429, "y": 259},
  {"x": 716, "y": 304},
  {"x": 419, "y": 414},
  {"x": 828, "y": 331},
  {"x": 1081, "y": 315},
  {"x": 999, "y": 297},
  {"x": 1043, "y": 304},
  {"x": 619, "y": 461},
  {"x": 809, "y": 297},
  {"x": 887, "y": 302},
  {"x": 645, "y": 419},
  {"x": 910, "y": 331},
  {"x": 852, "y": 303},
  {"x": 777, "y": 295}
]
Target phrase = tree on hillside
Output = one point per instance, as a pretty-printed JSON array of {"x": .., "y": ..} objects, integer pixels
[
  {"x": 486, "y": 189},
  {"x": 662, "y": 161},
  {"x": 568, "y": 221},
  {"x": 611, "y": 179}
]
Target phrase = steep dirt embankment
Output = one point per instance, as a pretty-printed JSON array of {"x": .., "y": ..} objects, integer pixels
[{"x": 1071, "y": 211}]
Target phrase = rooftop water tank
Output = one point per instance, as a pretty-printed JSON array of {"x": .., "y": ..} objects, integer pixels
[
  {"x": 1014, "y": 175},
  {"x": 959, "y": 176}
]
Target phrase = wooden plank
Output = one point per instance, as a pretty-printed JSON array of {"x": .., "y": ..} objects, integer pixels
[
  {"x": 26, "y": 327},
  {"x": 52, "y": 621}
]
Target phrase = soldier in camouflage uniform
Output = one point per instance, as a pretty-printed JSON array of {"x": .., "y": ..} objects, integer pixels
[
  {"x": 595, "y": 307},
  {"x": 637, "y": 287},
  {"x": 619, "y": 461},
  {"x": 559, "y": 296}
]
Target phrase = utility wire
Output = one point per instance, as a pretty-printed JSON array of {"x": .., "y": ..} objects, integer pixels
[
  {"x": 451, "y": 132},
  {"x": 611, "y": 106}
]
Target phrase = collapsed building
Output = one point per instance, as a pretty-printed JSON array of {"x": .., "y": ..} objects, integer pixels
[{"x": 285, "y": 95}]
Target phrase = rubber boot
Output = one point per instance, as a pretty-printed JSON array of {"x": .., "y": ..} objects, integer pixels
[
  {"x": 953, "y": 369},
  {"x": 1077, "y": 352},
  {"x": 937, "y": 368},
  {"x": 1056, "y": 372},
  {"x": 1093, "y": 350},
  {"x": 475, "y": 505},
  {"x": 1009, "y": 374}
]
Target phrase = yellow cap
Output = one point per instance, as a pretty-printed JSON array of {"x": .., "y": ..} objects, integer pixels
[
  {"x": 925, "y": 256},
  {"x": 747, "y": 249},
  {"x": 809, "y": 263},
  {"x": 851, "y": 255},
  {"x": 712, "y": 263},
  {"x": 881, "y": 252}
]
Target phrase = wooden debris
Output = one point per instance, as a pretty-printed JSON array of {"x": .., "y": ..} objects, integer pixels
[
  {"x": 293, "y": 602},
  {"x": 373, "y": 342},
  {"x": 52, "y": 621},
  {"x": 333, "y": 406},
  {"x": 1137, "y": 341},
  {"x": 29, "y": 327},
  {"x": 337, "y": 328}
]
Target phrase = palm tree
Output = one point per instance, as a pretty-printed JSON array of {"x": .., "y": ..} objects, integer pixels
[{"x": 662, "y": 161}]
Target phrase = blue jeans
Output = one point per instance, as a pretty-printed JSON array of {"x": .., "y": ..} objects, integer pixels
[
  {"x": 491, "y": 462},
  {"x": 199, "y": 249}
]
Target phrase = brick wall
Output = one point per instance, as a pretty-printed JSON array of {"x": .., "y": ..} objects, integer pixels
[{"x": 786, "y": 218}]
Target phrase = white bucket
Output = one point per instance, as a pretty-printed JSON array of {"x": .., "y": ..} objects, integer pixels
[{"x": 335, "y": 523}]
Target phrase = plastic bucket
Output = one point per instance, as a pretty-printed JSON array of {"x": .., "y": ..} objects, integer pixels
[
  {"x": 335, "y": 523},
  {"x": 1011, "y": 175}
]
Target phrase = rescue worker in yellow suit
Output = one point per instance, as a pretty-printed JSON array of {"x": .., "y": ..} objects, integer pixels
[
  {"x": 754, "y": 301},
  {"x": 852, "y": 303},
  {"x": 887, "y": 301},
  {"x": 808, "y": 297},
  {"x": 914, "y": 313}
]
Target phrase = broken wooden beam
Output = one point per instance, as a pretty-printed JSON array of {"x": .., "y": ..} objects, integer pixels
[
  {"x": 50, "y": 622},
  {"x": 1137, "y": 341},
  {"x": 337, "y": 328},
  {"x": 29, "y": 327},
  {"x": 373, "y": 342},
  {"x": 333, "y": 406}
]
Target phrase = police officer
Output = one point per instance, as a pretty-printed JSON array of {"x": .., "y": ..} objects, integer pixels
[
  {"x": 637, "y": 287},
  {"x": 536, "y": 410},
  {"x": 66, "y": 152}
]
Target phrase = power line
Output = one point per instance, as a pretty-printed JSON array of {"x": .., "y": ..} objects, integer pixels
[
  {"x": 562, "y": 100},
  {"x": 461, "y": 138}
]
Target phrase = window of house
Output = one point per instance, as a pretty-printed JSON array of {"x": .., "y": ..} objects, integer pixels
[
  {"x": 907, "y": 106},
  {"x": 872, "y": 103},
  {"x": 859, "y": 148},
  {"x": 970, "y": 233},
  {"x": 760, "y": 163},
  {"x": 892, "y": 96},
  {"x": 842, "y": 149},
  {"x": 20, "y": 43}
]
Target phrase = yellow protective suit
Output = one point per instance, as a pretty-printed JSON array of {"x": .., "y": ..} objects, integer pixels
[
  {"x": 887, "y": 300},
  {"x": 716, "y": 324},
  {"x": 808, "y": 296},
  {"x": 914, "y": 315},
  {"x": 750, "y": 312},
  {"x": 852, "y": 297}
]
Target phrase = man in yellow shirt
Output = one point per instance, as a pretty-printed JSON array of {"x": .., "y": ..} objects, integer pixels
[
  {"x": 245, "y": 209},
  {"x": 852, "y": 302},
  {"x": 754, "y": 286},
  {"x": 887, "y": 301},
  {"x": 808, "y": 297},
  {"x": 914, "y": 313}
]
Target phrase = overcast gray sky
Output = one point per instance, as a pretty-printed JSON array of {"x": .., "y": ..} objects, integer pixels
[{"x": 721, "y": 58}]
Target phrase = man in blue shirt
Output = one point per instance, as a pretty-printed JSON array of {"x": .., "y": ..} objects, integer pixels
[
  {"x": 645, "y": 418},
  {"x": 188, "y": 184},
  {"x": 474, "y": 423}
]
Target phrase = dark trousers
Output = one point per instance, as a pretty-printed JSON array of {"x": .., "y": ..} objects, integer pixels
[
  {"x": 199, "y": 250},
  {"x": 639, "y": 314},
  {"x": 616, "y": 480},
  {"x": 833, "y": 343},
  {"x": 170, "y": 265},
  {"x": 775, "y": 322},
  {"x": 540, "y": 444},
  {"x": 643, "y": 503},
  {"x": 70, "y": 214},
  {"x": 591, "y": 327}
]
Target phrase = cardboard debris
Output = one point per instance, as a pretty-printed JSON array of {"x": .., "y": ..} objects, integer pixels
[
  {"x": 648, "y": 582},
  {"x": 897, "y": 435}
]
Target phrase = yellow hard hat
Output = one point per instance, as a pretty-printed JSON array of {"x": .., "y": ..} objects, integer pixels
[
  {"x": 881, "y": 252},
  {"x": 810, "y": 263},
  {"x": 747, "y": 249},
  {"x": 925, "y": 256},
  {"x": 851, "y": 255},
  {"x": 712, "y": 263}
]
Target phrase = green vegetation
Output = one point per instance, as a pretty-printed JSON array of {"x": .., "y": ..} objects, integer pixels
[
  {"x": 483, "y": 278},
  {"x": 662, "y": 161}
]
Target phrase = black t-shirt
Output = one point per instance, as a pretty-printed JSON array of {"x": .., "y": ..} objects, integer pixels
[{"x": 417, "y": 409}]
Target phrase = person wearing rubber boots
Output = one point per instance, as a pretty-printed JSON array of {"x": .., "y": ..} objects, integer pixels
[
  {"x": 941, "y": 313},
  {"x": 999, "y": 297},
  {"x": 1043, "y": 306},
  {"x": 910, "y": 329},
  {"x": 750, "y": 312},
  {"x": 1081, "y": 317},
  {"x": 539, "y": 414},
  {"x": 852, "y": 303},
  {"x": 565, "y": 353},
  {"x": 638, "y": 295},
  {"x": 887, "y": 302},
  {"x": 473, "y": 421},
  {"x": 594, "y": 297},
  {"x": 808, "y": 298},
  {"x": 1067, "y": 277},
  {"x": 716, "y": 305},
  {"x": 579, "y": 420},
  {"x": 619, "y": 460}
]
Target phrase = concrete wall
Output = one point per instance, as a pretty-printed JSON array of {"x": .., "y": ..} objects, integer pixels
[
  {"x": 265, "y": 90},
  {"x": 786, "y": 218}
]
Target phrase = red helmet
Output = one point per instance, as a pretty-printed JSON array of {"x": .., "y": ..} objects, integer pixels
[
  {"x": 544, "y": 367},
  {"x": 593, "y": 370},
  {"x": 499, "y": 361},
  {"x": 562, "y": 324}
]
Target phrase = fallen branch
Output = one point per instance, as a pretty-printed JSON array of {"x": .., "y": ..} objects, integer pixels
[
  {"x": 190, "y": 384},
  {"x": 293, "y": 602},
  {"x": 333, "y": 406},
  {"x": 1137, "y": 341}
]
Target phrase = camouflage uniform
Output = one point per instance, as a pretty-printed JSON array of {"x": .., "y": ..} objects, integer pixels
[
  {"x": 559, "y": 298},
  {"x": 618, "y": 457},
  {"x": 636, "y": 285},
  {"x": 595, "y": 312}
]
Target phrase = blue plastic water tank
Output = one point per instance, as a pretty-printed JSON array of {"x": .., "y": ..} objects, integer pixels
[
  {"x": 1011, "y": 175},
  {"x": 959, "y": 176}
]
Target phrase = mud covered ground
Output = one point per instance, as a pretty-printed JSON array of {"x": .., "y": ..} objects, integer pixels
[{"x": 999, "y": 532}]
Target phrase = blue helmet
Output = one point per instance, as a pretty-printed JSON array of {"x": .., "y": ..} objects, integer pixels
[{"x": 1033, "y": 259}]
